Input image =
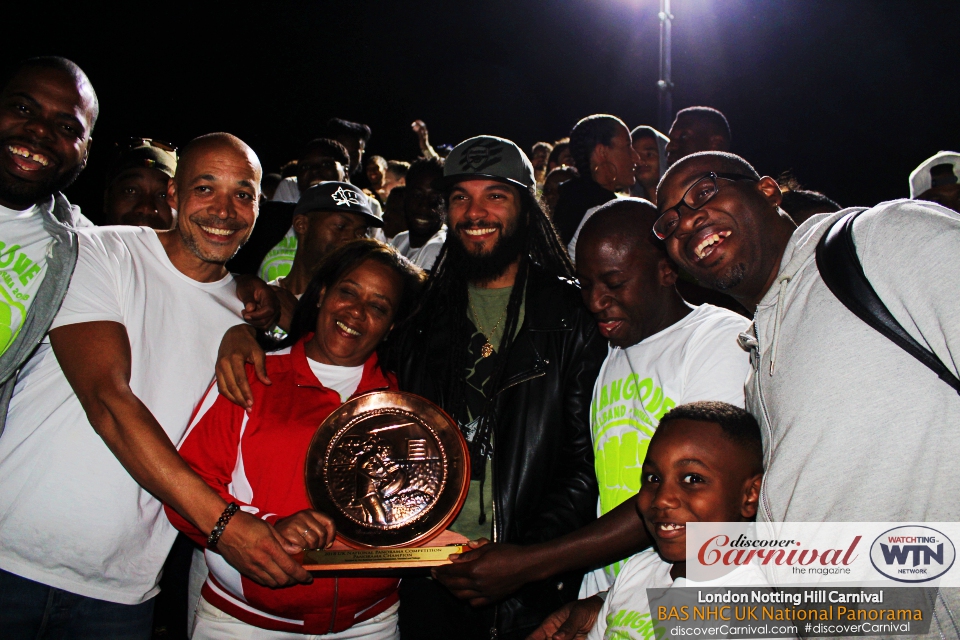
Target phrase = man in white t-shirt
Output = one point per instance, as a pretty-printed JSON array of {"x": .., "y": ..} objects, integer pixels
[
  {"x": 424, "y": 208},
  {"x": 47, "y": 112},
  {"x": 662, "y": 353},
  {"x": 89, "y": 448}
]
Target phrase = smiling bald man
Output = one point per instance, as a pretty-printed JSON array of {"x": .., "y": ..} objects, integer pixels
[{"x": 88, "y": 453}]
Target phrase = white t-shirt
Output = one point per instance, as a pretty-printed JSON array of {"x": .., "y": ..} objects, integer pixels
[
  {"x": 626, "y": 609},
  {"x": 287, "y": 190},
  {"x": 70, "y": 515},
  {"x": 697, "y": 358},
  {"x": 424, "y": 256},
  {"x": 343, "y": 380},
  {"x": 23, "y": 263}
]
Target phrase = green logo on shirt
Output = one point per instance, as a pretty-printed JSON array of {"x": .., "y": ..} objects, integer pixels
[
  {"x": 623, "y": 419},
  {"x": 631, "y": 625},
  {"x": 17, "y": 274},
  {"x": 279, "y": 260}
]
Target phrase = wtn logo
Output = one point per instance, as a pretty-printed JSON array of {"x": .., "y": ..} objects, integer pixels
[
  {"x": 912, "y": 554},
  {"x": 896, "y": 554}
]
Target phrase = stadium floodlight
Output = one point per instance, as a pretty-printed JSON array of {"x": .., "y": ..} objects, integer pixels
[{"x": 665, "y": 84}]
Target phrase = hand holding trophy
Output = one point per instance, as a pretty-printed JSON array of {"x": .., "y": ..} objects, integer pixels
[{"x": 392, "y": 470}]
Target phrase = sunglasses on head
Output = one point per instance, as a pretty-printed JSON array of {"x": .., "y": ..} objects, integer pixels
[{"x": 134, "y": 142}]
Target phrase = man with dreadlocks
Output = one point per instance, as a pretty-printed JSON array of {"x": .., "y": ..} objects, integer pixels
[{"x": 503, "y": 343}]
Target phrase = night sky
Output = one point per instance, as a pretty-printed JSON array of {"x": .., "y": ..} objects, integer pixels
[{"x": 850, "y": 95}]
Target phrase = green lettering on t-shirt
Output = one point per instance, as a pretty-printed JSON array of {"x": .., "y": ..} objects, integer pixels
[
  {"x": 631, "y": 625},
  {"x": 624, "y": 413}
]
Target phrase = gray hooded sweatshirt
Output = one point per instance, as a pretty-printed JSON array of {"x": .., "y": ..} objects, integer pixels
[
  {"x": 637, "y": 190},
  {"x": 60, "y": 218},
  {"x": 854, "y": 428}
]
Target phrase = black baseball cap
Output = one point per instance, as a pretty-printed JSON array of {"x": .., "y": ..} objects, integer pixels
[
  {"x": 337, "y": 196},
  {"x": 489, "y": 157}
]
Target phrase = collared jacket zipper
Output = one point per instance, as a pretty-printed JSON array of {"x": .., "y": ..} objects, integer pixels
[{"x": 766, "y": 416}]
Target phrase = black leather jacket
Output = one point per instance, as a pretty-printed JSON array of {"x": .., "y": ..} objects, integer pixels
[{"x": 544, "y": 482}]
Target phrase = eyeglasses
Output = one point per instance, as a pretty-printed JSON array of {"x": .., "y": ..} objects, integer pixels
[
  {"x": 134, "y": 142},
  {"x": 699, "y": 194}
]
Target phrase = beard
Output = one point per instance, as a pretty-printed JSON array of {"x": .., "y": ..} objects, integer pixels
[
  {"x": 21, "y": 193},
  {"x": 731, "y": 278},
  {"x": 484, "y": 267},
  {"x": 220, "y": 254}
]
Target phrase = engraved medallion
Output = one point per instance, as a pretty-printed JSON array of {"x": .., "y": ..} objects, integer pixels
[{"x": 391, "y": 469}]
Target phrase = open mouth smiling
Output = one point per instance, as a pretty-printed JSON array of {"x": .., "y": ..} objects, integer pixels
[
  {"x": 348, "y": 330},
  {"x": 479, "y": 231},
  {"x": 707, "y": 244},
  {"x": 669, "y": 530},
  {"x": 28, "y": 160},
  {"x": 217, "y": 231}
]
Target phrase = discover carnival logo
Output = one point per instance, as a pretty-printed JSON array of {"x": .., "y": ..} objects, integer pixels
[
  {"x": 912, "y": 554},
  {"x": 742, "y": 550}
]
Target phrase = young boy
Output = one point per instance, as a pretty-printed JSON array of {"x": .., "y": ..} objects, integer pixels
[{"x": 704, "y": 464}]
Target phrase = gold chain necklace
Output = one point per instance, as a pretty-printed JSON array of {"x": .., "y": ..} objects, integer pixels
[{"x": 487, "y": 349}]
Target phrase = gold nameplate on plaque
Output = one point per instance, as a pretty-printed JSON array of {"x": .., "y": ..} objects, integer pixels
[{"x": 392, "y": 470}]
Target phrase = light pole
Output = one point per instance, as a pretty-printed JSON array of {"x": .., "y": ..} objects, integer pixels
[{"x": 665, "y": 85}]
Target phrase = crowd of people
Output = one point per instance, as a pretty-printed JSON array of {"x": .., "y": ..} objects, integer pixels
[{"x": 632, "y": 329}]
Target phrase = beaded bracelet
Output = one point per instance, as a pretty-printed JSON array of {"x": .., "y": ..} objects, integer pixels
[{"x": 214, "y": 537}]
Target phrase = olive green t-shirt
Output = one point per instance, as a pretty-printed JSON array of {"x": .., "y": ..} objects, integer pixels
[{"x": 486, "y": 308}]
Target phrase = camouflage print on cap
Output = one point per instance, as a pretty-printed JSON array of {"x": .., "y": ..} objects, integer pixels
[{"x": 489, "y": 157}]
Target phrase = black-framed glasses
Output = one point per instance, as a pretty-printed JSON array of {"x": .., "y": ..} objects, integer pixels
[
  {"x": 699, "y": 194},
  {"x": 134, "y": 142}
]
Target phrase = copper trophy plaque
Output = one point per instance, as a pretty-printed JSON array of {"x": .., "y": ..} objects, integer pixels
[{"x": 392, "y": 470}]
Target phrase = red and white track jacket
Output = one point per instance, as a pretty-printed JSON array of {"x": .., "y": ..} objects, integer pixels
[{"x": 256, "y": 459}]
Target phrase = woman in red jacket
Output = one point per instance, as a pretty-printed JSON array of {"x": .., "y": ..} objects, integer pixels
[{"x": 255, "y": 457}]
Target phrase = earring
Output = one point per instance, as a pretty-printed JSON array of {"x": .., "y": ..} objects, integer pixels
[{"x": 596, "y": 171}]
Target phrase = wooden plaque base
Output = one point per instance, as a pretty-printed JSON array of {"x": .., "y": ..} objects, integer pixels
[{"x": 340, "y": 557}]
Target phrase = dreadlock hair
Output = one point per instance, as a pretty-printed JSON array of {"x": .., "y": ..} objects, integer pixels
[
  {"x": 334, "y": 268},
  {"x": 443, "y": 309},
  {"x": 587, "y": 134}
]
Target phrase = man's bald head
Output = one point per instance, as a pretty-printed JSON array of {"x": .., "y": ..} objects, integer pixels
[
  {"x": 225, "y": 144},
  {"x": 628, "y": 220},
  {"x": 703, "y": 163},
  {"x": 626, "y": 279},
  {"x": 216, "y": 192}
]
